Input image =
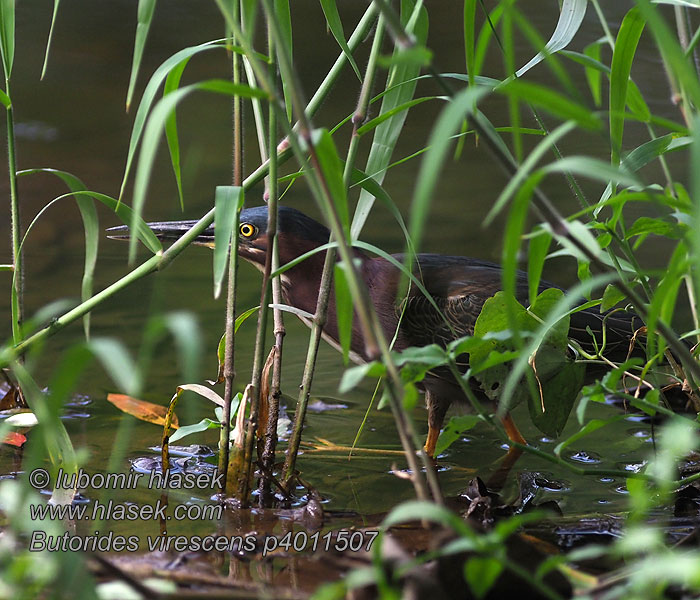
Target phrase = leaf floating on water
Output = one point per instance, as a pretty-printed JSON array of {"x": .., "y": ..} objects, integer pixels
[{"x": 140, "y": 409}]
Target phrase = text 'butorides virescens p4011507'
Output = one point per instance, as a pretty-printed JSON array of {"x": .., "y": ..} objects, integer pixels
[{"x": 458, "y": 285}]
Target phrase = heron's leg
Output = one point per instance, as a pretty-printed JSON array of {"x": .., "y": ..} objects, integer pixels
[
  {"x": 497, "y": 480},
  {"x": 437, "y": 408},
  {"x": 512, "y": 430}
]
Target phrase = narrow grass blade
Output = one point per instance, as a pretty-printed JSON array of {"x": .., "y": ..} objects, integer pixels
[
  {"x": 553, "y": 102},
  {"x": 172, "y": 82},
  {"x": 344, "y": 310},
  {"x": 7, "y": 35},
  {"x": 330, "y": 10},
  {"x": 386, "y": 134},
  {"x": 156, "y": 124},
  {"x": 332, "y": 168},
  {"x": 228, "y": 202},
  {"x": 118, "y": 364},
  {"x": 623, "y": 56},
  {"x": 570, "y": 19},
  {"x": 470, "y": 37},
  {"x": 144, "y": 17},
  {"x": 441, "y": 138},
  {"x": 284, "y": 20},
  {"x": 149, "y": 95},
  {"x": 48, "y": 42}
]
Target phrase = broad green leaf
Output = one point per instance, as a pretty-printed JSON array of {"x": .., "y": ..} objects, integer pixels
[
  {"x": 186, "y": 430},
  {"x": 623, "y": 56},
  {"x": 144, "y": 18},
  {"x": 481, "y": 572},
  {"x": 156, "y": 124},
  {"x": 611, "y": 296},
  {"x": 454, "y": 429},
  {"x": 330, "y": 10},
  {"x": 559, "y": 381},
  {"x": 353, "y": 376},
  {"x": 570, "y": 19},
  {"x": 228, "y": 202}
]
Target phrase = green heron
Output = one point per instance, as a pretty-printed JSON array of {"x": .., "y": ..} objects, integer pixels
[{"x": 459, "y": 286}]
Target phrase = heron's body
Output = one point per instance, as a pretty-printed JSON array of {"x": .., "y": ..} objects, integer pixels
[{"x": 459, "y": 286}]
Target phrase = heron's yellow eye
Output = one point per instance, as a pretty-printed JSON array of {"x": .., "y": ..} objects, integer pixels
[{"x": 248, "y": 230}]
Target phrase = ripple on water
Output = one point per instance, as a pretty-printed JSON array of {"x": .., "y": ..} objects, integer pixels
[{"x": 588, "y": 458}]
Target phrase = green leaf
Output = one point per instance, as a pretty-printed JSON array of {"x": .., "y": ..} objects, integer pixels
[
  {"x": 353, "y": 376},
  {"x": 589, "y": 428},
  {"x": 88, "y": 213},
  {"x": 623, "y": 56},
  {"x": 149, "y": 95},
  {"x": 647, "y": 225},
  {"x": 559, "y": 381},
  {"x": 553, "y": 102},
  {"x": 481, "y": 572},
  {"x": 118, "y": 364},
  {"x": 419, "y": 510},
  {"x": 48, "y": 42},
  {"x": 284, "y": 22},
  {"x": 611, "y": 296},
  {"x": 156, "y": 124},
  {"x": 5, "y": 100},
  {"x": 344, "y": 310},
  {"x": 593, "y": 75},
  {"x": 455, "y": 428},
  {"x": 144, "y": 18},
  {"x": 228, "y": 202},
  {"x": 570, "y": 19},
  {"x": 401, "y": 80},
  {"x": 7, "y": 35},
  {"x": 330, "y": 10},
  {"x": 186, "y": 430},
  {"x": 172, "y": 82},
  {"x": 373, "y": 123},
  {"x": 332, "y": 169},
  {"x": 469, "y": 37},
  {"x": 536, "y": 254},
  {"x": 441, "y": 138}
]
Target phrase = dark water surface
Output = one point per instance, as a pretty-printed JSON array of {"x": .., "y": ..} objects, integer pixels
[{"x": 74, "y": 120}]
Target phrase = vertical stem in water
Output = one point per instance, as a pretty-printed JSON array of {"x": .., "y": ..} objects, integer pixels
[
  {"x": 18, "y": 277},
  {"x": 270, "y": 435},
  {"x": 229, "y": 364}
]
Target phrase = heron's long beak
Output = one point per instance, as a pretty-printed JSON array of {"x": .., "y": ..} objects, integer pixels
[{"x": 168, "y": 231}]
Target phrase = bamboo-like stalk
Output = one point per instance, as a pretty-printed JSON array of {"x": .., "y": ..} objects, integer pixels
[
  {"x": 16, "y": 228},
  {"x": 320, "y": 316},
  {"x": 229, "y": 371},
  {"x": 161, "y": 261},
  {"x": 270, "y": 434}
]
